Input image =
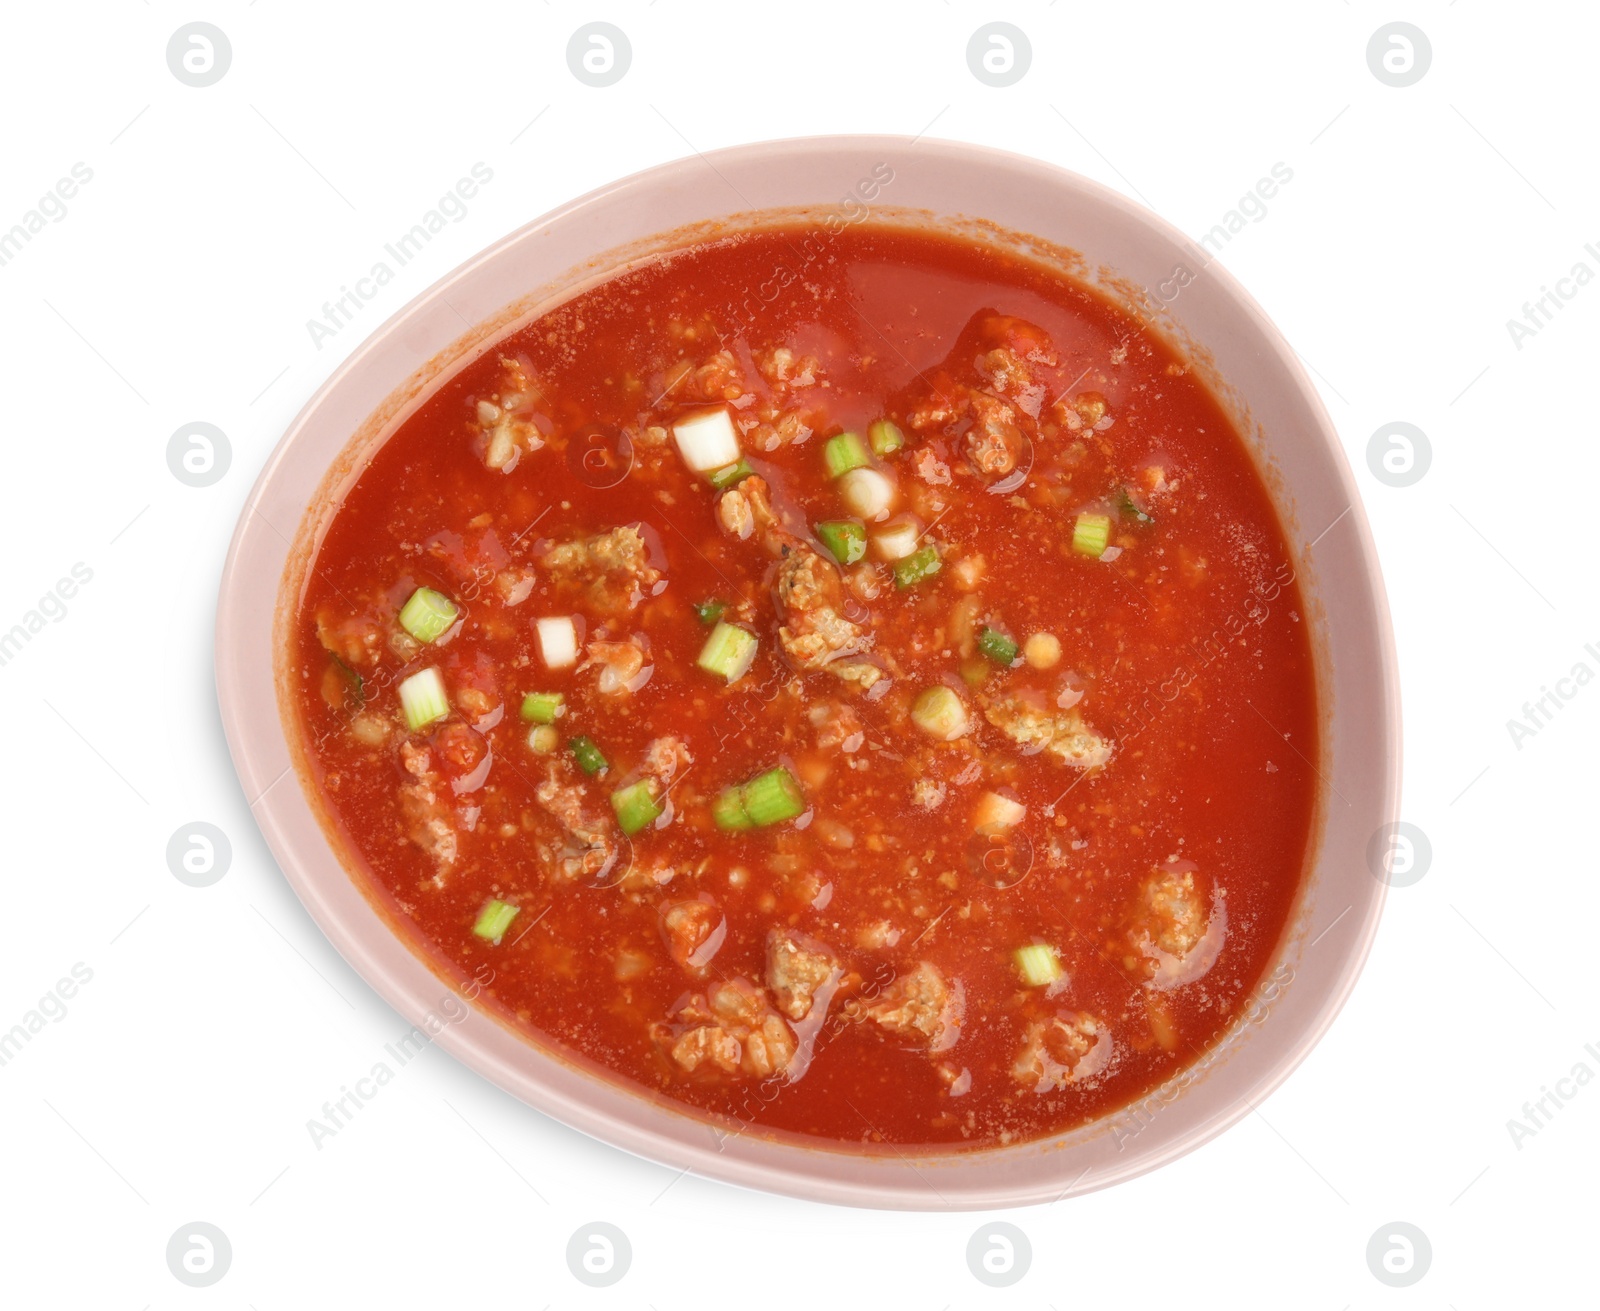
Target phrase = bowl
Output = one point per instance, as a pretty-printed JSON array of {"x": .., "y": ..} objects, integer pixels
[{"x": 1104, "y": 240}]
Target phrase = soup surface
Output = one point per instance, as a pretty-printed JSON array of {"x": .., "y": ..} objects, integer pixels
[{"x": 851, "y": 683}]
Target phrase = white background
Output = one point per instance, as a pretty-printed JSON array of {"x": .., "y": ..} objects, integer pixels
[{"x": 177, "y": 288}]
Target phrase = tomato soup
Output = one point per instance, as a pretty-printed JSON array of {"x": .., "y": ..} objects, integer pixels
[{"x": 851, "y": 684}]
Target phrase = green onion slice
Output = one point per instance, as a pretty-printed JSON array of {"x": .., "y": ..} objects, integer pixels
[
  {"x": 355, "y": 687},
  {"x": 728, "y": 810},
  {"x": 998, "y": 647},
  {"x": 1091, "y": 534},
  {"x": 494, "y": 919},
  {"x": 845, "y": 538},
  {"x": 917, "y": 566},
  {"x": 588, "y": 756},
  {"x": 708, "y": 612},
  {"x": 728, "y": 652},
  {"x": 636, "y": 806},
  {"x": 543, "y": 707},
  {"x": 427, "y": 616},
  {"x": 1039, "y": 964},
  {"x": 769, "y": 798},
  {"x": 1130, "y": 507},
  {"x": 773, "y": 797},
  {"x": 885, "y": 436},
  {"x": 423, "y": 700},
  {"x": 940, "y": 713},
  {"x": 725, "y": 478},
  {"x": 844, "y": 453}
]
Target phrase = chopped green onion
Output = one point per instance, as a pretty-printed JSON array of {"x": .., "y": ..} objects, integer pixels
[
  {"x": 1039, "y": 964},
  {"x": 543, "y": 707},
  {"x": 543, "y": 739},
  {"x": 588, "y": 756},
  {"x": 423, "y": 700},
  {"x": 766, "y": 799},
  {"x": 708, "y": 440},
  {"x": 1091, "y": 534},
  {"x": 867, "y": 492},
  {"x": 773, "y": 797},
  {"x": 898, "y": 540},
  {"x": 885, "y": 436},
  {"x": 844, "y": 453},
  {"x": 975, "y": 673},
  {"x": 728, "y": 652},
  {"x": 917, "y": 566},
  {"x": 728, "y": 810},
  {"x": 428, "y": 614},
  {"x": 845, "y": 538},
  {"x": 998, "y": 647},
  {"x": 636, "y": 806},
  {"x": 940, "y": 713},
  {"x": 355, "y": 687},
  {"x": 725, "y": 478},
  {"x": 494, "y": 919},
  {"x": 1130, "y": 507},
  {"x": 708, "y": 612},
  {"x": 558, "y": 640}
]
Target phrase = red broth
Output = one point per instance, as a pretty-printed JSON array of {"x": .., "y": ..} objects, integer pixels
[{"x": 987, "y": 841}]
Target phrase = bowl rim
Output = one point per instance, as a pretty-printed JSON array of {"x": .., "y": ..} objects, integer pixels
[{"x": 784, "y": 1172}]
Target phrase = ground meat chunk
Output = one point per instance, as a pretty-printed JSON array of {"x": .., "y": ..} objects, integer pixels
[
  {"x": 786, "y": 412},
  {"x": 694, "y": 932},
  {"x": 931, "y": 469},
  {"x": 1091, "y": 407},
  {"x": 810, "y": 598},
  {"x": 720, "y": 378},
  {"x": 505, "y": 420},
  {"x": 776, "y": 428},
  {"x": 613, "y": 568},
  {"x": 1018, "y": 350},
  {"x": 429, "y": 817},
  {"x": 585, "y": 848},
  {"x": 708, "y": 1043},
  {"x": 863, "y": 673},
  {"x": 1027, "y": 722},
  {"x": 921, "y": 1005},
  {"x": 645, "y": 875},
  {"x": 505, "y": 436},
  {"x": 1172, "y": 912},
  {"x": 746, "y": 511},
  {"x": 781, "y": 367},
  {"x": 994, "y": 442},
  {"x": 1175, "y": 929},
  {"x": 735, "y": 514},
  {"x": 1009, "y": 376},
  {"x": 936, "y": 409},
  {"x": 799, "y": 968},
  {"x": 1019, "y": 337},
  {"x": 988, "y": 428},
  {"x": 514, "y": 585},
  {"x": 838, "y": 726},
  {"x": 731, "y": 1028},
  {"x": 356, "y": 640},
  {"x": 664, "y": 759},
  {"x": 1065, "y": 1049},
  {"x": 461, "y": 754},
  {"x": 986, "y": 396},
  {"x": 621, "y": 665}
]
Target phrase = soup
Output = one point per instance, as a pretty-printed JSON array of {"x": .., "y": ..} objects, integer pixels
[{"x": 851, "y": 684}]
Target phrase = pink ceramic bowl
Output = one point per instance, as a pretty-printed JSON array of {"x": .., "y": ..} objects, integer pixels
[{"x": 1126, "y": 251}]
